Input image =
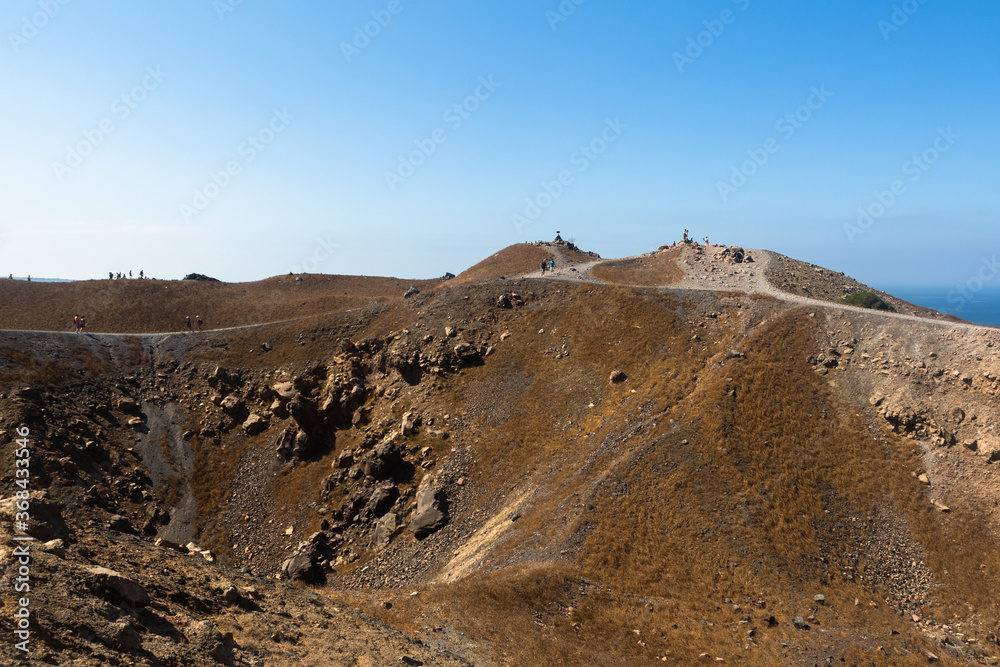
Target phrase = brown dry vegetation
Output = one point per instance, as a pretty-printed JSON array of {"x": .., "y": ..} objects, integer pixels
[
  {"x": 618, "y": 524},
  {"x": 656, "y": 269},
  {"x": 512, "y": 261},
  {"x": 149, "y": 306},
  {"x": 809, "y": 280}
]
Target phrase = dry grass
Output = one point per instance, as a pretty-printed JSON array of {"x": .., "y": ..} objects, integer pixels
[
  {"x": 149, "y": 306},
  {"x": 650, "y": 507},
  {"x": 762, "y": 502},
  {"x": 20, "y": 365},
  {"x": 656, "y": 269},
  {"x": 514, "y": 260}
]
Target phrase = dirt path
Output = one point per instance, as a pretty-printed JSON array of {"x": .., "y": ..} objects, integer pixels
[{"x": 704, "y": 272}]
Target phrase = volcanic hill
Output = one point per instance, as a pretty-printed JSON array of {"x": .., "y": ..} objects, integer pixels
[{"x": 699, "y": 455}]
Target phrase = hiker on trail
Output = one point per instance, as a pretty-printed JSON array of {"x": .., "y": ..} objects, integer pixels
[
  {"x": 200, "y": 322},
  {"x": 111, "y": 276},
  {"x": 130, "y": 275},
  {"x": 544, "y": 264},
  {"x": 141, "y": 276},
  {"x": 76, "y": 323},
  {"x": 189, "y": 323},
  {"x": 552, "y": 265},
  {"x": 83, "y": 324}
]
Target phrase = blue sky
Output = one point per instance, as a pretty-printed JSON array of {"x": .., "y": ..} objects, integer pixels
[{"x": 248, "y": 139}]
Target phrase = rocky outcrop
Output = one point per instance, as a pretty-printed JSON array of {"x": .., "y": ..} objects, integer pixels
[
  {"x": 116, "y": 588},
  {"x": 431, "y": 512},
  {"x": 381, "y": 460}
]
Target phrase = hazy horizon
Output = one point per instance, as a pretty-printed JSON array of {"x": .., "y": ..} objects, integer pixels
[{"x": 244, "y": 140}]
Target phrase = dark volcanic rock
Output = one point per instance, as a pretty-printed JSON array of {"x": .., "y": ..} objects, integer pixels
[{"x": 430, "y": 514}]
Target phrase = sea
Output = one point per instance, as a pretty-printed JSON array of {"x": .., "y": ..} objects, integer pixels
[{"x": 979, "y": 307}]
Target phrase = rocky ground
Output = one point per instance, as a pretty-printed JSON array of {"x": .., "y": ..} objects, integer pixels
[{"x": 575, "y": 469}]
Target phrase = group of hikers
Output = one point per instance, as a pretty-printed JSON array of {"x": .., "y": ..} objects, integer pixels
[
  {"x": 121, "y": 274},
  {"x": 549, "y": 264},
  {"x": 80, "y": 323}
]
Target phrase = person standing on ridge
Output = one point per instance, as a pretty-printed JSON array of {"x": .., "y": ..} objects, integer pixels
[{"x": 189, "y": 323}]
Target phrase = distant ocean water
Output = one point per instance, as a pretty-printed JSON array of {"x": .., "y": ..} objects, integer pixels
[{"x": 982, "y": 307}]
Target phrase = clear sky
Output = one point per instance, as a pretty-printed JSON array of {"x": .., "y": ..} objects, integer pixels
[{"x": 244, "y": 139}]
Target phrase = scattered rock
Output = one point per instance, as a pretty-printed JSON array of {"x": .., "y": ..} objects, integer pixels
[
  {"x": 254, "y": 424},
  {"x": 232, "y": 403}
]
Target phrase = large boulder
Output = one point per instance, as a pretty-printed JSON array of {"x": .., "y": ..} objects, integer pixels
[
  {"x": 385, "y": 528},
  {"x": 381, "y": 500},
  {"x": 303, "y": 411},
  {"x": 300, "y": 567},
  {"x": 117, "y": 588},
  {"x": 254, "y": 424},
  {"x": 293, "y": 444},
  {"x": 232, "y": 404},
  {"x": 431, "y": 512},
  {"x": 380, "y": 462},
  {"x": 408, "y": 425}
]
